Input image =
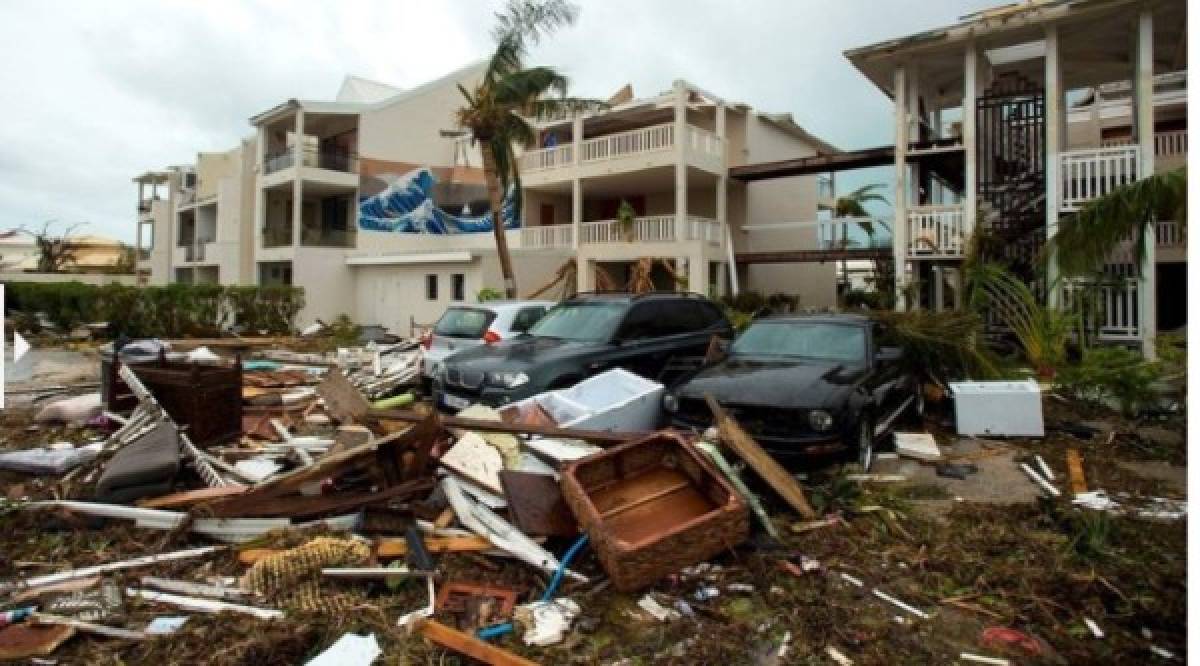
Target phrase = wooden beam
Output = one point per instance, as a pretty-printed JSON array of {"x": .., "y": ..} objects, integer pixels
[
  {"x": 389, "y": 548},
  {"x": 744, "y": 445},
  {"x": 300, "y": 505},
  {"x": 468, "y": 645},
  {"x": 599, "y": 437}
]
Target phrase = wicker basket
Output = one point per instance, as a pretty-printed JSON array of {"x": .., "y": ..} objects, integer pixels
[{"x": 652, "y": 507}]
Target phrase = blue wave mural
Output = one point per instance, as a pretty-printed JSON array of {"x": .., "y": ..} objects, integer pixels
[{"x": 407, "y": 206}]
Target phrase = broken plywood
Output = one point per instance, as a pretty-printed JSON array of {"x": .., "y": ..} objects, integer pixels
[
  {"x": 918, "y": 445},
  {"x": 343, "y": 402}
]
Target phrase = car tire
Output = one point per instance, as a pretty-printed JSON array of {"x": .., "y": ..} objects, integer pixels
[{"x": 865, "y": 442}]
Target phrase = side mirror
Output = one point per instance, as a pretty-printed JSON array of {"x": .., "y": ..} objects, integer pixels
[{"x": 888, "y": 355}]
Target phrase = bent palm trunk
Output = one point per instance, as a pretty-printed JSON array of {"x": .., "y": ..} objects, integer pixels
[{"x": 495, "y": 200}]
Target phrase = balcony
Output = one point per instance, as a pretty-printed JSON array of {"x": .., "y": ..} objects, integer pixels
[
  {"x": 332, "y": 160},
  {"x": 1092, "y": 173},
  {"x": 653, "y": 229},
  {"x": 937, "y": 232},
  {"x": 547, "y": 237},
  {"x": 320, "y": 237},
  {"x": 1169, "y": 243},
  {"x": 1110, "y": 308},
  {"x": 655, "y": 140},
  {"x": 277, "y": 236},
  {"x": 850, "y": 233}
]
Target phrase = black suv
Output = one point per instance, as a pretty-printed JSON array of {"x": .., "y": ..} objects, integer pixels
[{"x": 578, "y": 338}]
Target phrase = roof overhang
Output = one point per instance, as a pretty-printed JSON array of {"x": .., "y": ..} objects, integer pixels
[
  {"x": 411, "y": 259},
  {"x": 1095, "y": 41}
]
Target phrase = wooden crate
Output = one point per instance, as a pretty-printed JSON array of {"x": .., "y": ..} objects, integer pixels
[
  {"x": 207, "y": 399},
  {"x": 652, "y": 507}
]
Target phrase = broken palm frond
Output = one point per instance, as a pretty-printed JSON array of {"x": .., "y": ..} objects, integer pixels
[
  {"x": 941, "y": 345},
  {"x": 567, "y": 277},
  {"x": 1041, "y": 331},
  {"x": 1085, "y": 241}
]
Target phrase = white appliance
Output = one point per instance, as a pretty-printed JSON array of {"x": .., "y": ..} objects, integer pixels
[{"x": 998, "y": 408}]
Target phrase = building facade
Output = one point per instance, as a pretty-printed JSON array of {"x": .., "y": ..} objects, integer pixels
[
  {"x": 375, "y": 202},
  {"x": 1017, "y": 116}
]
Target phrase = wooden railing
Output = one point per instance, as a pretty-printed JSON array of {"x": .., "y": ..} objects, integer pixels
[
  {"x": 644, "y": 140},
  {"x": 652, "y": 229},
  {"x": 1088, "y": 174},
  {"x": 937, "y": 232},
  {"x": 547, "y": 158},
  {"x": 551, "y": 236},
  {"x": 1110, "y": 308}
]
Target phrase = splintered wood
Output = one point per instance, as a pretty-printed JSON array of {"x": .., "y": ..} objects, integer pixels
[
  {"x": 777, "y": 477},
  {"x": 1075, "y": 472}
]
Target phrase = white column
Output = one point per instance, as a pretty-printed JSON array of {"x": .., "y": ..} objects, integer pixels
[
  {"x": 900, "y": 225},
  {"x": 576, "y": 212},
  {"x": 1143, "y": 99},
  {"x": 681, "y": 180},
  {"x": 970, "y": 98},
  {"x": 1054, "y": 144},
  {"x": 298, "y": 182}
]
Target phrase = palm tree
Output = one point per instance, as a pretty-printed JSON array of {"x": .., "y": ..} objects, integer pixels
[
  {"x": 509, "y": 92},
  {"x": 853, "y": 204},
  {"x": 1086, "y": 239}
]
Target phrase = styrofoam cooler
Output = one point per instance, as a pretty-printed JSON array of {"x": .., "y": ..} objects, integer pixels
[
  {"x": 998, "y": 408},
  {"x": 616, "y": 400}
]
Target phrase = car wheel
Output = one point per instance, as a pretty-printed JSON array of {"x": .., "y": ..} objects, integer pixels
[{"x": 866, "y": 443}]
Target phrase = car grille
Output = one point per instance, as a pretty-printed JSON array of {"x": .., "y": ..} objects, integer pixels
[
  {"x": 469, "y": 379},
  {"x": 755, "y": 420}
]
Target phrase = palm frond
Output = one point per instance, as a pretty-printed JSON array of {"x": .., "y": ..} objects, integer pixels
[
  {"x": 1086, "y": 240},
  {"x": 521, "y": 88},
  {"x": 530, "y": 20}
]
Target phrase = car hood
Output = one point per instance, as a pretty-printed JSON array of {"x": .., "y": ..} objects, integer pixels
[
  {"x": 518, "y": 354},
  {"x": 773, "y": 382}
]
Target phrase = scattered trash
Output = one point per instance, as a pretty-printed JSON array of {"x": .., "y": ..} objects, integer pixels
[
  {"x": 706, "y": 593},
  {"x": 837, "y": 656},
  {"x": 546, "y": 622},
  {"x": 76, "y": 410},
  {"x": 1161, "y": 652},
  {"x": 168, "y": 624},
  {"x": 16, "y": 615},
  {"x": 25, "y": 640},
  {"x": 899, "y": 604},
  {"x": 1075, "y": 472},
  {"x": 1045, "y": 469},
  {"x": 657, "y": 610},
  {"x": 203, "y": 605},
  {"x": 349, "y": 650},
  {"x": 918, "y": 445},
  {"x": 1093, "y": 627},
  {"x": 979, "y": 659},
  {"x": 1037, "y": 478},
  {"x": 49, "y": 461},
  {"x": 1003, "y": 636},
  {"x": 851, "y": 579},
  {"x": 475, "y": 606},
  {"x": 957, "y": 471},
  {"x": 469, "y": 645}
]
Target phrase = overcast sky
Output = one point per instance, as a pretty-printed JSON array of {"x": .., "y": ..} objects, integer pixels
[{"x": 98, "y": 92}]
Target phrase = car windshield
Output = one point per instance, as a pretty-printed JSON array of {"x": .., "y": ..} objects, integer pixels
[
  {"x": 463, "y": 323},
  {"x": 821, "y": 341},
  {"x": 585, "y": 322}
]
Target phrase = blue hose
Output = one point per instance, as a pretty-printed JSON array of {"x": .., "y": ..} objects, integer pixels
[{"x": 497, "y": 630}]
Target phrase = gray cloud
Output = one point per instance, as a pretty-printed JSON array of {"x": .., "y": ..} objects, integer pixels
[{"x": 99, "y": 92}]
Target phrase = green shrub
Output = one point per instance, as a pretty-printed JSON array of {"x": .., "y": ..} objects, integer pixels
[
  {"x": 343, "y": 332},
  {"x": 746, "y": 301},
  {"x": 1111, "y": 373},
  {"x": 488, "y": 294},
  {"x": 177, "y": 310}
]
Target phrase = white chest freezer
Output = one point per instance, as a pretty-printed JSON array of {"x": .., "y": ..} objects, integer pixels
[{"x": 998, "y": 408}]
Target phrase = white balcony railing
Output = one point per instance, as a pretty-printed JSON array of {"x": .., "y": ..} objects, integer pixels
[
  {"x": 645, "y": 140},
  {"x": 704, "y": 142},
  {"x": 652, "y": 229},
  {"x": 1166, "y": 144},
  {"x": 1109, "y": 308},
  {"x": 1088, "y": 174},
  {"x": 1167, "y": 235},
  {"x": 547, "y": 158},
  {"x": 937, "y": 232},
  {"x": 854, "y": 233},
  {"x": 545, "y": 237},
  {"x": 824, "y": 187}
]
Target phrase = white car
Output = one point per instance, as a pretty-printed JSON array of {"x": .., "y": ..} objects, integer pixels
[{"x": 465, "y": 326}]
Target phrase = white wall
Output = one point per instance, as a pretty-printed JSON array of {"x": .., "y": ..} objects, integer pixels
[{"x": 407, "y": 130}]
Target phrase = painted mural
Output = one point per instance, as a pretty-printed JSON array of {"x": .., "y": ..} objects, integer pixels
[{"x": 407, "y": 203}]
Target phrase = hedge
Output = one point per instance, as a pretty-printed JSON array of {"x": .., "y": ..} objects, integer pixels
[{"x": 176, "y": 310}]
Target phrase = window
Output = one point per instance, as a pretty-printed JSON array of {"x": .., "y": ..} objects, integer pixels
[
  {"x": 642, "y": 322},
  {"x": 458, "y": 287},
  {"x": 586, "y": 321},
  {"x": 464, "y": 323},
  {"x": 527, "y": 317},
  {"x": 275, "y": 273},
  {"x": 431, "y": 287},
  {"x": 821, "y": 341}
]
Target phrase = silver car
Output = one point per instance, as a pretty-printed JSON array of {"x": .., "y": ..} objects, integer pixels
[{"x": 464, "y": 326}]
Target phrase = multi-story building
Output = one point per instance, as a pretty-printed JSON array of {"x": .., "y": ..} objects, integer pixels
[
  {"x": 1017, "y": 116},
  {"x": 375, "y": 202}
]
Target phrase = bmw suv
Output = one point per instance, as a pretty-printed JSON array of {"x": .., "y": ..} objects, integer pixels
[{"x": 578, "y": 338}]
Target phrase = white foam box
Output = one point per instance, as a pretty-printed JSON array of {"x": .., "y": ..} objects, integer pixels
[{"x": 998, "y": 408}]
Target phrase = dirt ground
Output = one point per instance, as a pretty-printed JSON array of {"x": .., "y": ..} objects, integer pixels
[{"x": 974, "y": 555}]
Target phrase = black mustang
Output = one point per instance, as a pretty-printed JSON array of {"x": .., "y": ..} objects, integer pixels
[{"x": 803, "y": 386}]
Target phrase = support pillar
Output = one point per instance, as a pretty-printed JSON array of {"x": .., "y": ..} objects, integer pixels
[
  {"x": 298, "y": 181},
  {"x": 969, "y": 133},
  {"x": 681, "y": 179},
  {"x": 1143, "y": 99},
  {"x": 576, "y": 212},
  {"x": 900, "y": 224},
  {"x": 1054, "y": 145}
]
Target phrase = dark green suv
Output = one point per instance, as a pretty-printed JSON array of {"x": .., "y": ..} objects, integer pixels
[{"x": 578, "y": 338}]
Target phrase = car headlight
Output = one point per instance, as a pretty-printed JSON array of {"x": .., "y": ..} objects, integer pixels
[
  {"x": 820, "y": 420},
  {"x": 509, "y": 380},
  {"x": 670, "y": 402}
]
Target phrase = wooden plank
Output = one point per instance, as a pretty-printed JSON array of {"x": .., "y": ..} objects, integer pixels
[
  {"x": 190, "y": 497},
  {"x": 468, "y": 645},
  {"x": 1075, "y": 471},
  {"x": 343, "y": 402},
  {"x": 599, "y": 437},
  {"x": 536, "y": 504},
  {"x": 466, "y": 544},
  {"x": 742, "y": 444},
  {"x": 299, "y": 505}
]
